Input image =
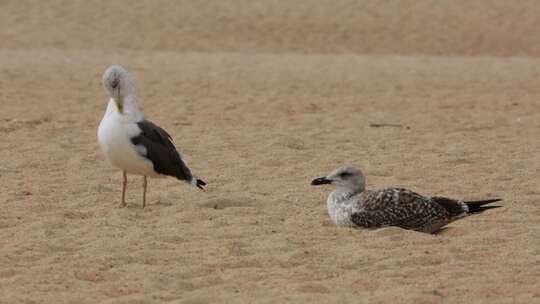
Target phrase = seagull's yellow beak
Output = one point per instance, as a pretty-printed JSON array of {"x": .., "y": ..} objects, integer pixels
[
  {"x": 119, "y": 100},
  {"x": 119, "y": 106}
]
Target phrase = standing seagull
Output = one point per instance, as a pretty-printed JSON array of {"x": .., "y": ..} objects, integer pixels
[
  {"x": 134, "y": 144},
  {"x": 351, "y": 205}
]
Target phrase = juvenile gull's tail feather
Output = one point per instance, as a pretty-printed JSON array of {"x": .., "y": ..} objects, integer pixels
[{"x": 459, "y": 209}]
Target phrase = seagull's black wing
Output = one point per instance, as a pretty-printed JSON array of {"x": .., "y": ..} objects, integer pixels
[{"x": 161, "y": 151}]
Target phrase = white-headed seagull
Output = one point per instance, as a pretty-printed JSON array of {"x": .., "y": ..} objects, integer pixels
[{"x": 133, "y": 144}]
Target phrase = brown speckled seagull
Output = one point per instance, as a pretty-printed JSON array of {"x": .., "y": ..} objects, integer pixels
[{"x": 351, "y": 205}]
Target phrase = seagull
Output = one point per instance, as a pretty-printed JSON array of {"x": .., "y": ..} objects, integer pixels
[
  {"x": 133, "y": 144},
  {"x": 351, "y": 205}
]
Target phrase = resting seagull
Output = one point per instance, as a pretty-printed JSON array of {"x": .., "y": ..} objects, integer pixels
[
  {"x": 351, "y": 205},
  {"x": 133, "y": 144}
]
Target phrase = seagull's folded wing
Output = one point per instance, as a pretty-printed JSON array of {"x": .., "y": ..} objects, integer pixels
[{"x": 161, "y": 151}]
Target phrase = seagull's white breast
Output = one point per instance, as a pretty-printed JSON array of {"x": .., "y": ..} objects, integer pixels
[{"x": 114, "y": 136}]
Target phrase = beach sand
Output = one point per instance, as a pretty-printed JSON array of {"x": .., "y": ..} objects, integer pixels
[{"x": 260, "y": 98}]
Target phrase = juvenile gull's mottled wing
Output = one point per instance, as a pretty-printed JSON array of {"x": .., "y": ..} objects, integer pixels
[{"x": 399, "y": 207}]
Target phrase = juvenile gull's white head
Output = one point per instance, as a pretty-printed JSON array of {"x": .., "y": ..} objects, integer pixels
[
  {"x": 119, "y": 84},
  {"x": 348, "y": 178}
]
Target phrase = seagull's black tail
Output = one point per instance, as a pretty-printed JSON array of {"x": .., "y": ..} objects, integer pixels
[
  {"x": 478, "y": 206},
  {"x": 197, "y": 182}
]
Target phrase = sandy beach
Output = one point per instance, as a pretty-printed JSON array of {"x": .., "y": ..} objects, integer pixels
[{"x": 260, "y": 98}]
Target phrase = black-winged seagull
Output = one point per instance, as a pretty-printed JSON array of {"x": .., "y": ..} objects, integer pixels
[
  {"x": 133, "y": 144},
  {"x": 351, "y": 205}
]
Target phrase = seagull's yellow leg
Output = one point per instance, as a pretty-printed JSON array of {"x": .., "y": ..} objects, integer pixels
[
  {"x": 144, "y": 183},
  {"x": 124, "y": 184}
]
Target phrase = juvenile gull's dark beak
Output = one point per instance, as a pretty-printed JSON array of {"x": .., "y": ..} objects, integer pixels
[{"x": 321, "y": 181}]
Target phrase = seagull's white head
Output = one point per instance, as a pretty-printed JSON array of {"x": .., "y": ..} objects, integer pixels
[
  {"x": 348, "y": 178},
  {"x": 119, "y": 84}
]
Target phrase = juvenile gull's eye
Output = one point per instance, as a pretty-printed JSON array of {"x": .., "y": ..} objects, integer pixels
[{"x": 345, "y": 174}]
